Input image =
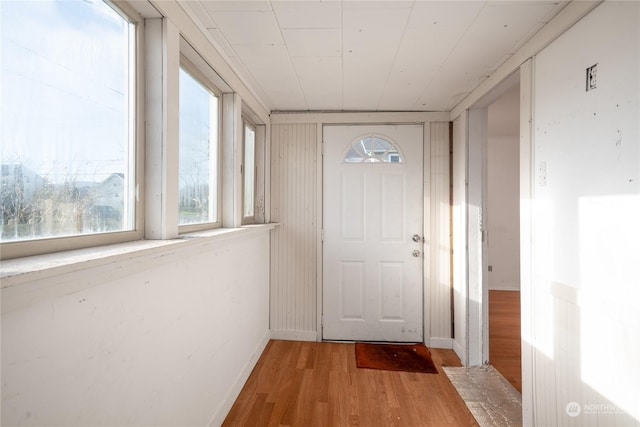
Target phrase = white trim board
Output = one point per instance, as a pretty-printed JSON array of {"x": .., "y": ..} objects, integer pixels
[
  {"x": 359, "y": 118},
  {"x": 291, "y": 335},
  {"x": 234, "y": 392},
  {"x": 446, "y": 343}
]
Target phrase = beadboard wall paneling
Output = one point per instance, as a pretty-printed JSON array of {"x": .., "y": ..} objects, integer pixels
[
  {"x": 439, "y": 309},
  {"x": 294, "y": 242},
  {"x": 584, "y": 340}
]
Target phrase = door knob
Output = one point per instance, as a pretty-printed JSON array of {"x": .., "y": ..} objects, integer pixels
[
  {"x": 416, "y": 253},
  {"x": 416, "y": 238}
]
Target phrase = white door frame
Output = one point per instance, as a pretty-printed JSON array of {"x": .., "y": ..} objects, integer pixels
[
  {"x": 409, "y": 140},
  {"x": 477, "y": 285},
  {"x": 383, "y": 119},
  {"x": 478, "y": 338},
  {"x": 526, "y": 243},
  {"x": 469, "y": 252},
  {"x": 474, "y": 256},
  {"x": 424, "y": 118}
]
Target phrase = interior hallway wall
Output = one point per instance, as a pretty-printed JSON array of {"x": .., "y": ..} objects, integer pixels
[
  {"x": 438, "y": 276},
  {"x": 165, "y": 337},
  {"x": 459, "y": 232},
  {"x": 586, "y": 234},
  {"x": 295, "y": 163},
  {"x": 294, "y": 242},
  {"x": 503, "y": 192}
]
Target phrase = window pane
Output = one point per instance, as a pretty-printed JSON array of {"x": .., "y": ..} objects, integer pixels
[
  {"x": 372, "y": 149},
  {"x": 66, "y": 119},
  {"x": 249, "y": 171},
  {"x": 198, "y": 153}
]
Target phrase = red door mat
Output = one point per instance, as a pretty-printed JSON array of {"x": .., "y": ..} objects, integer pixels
[{"x": 395, "y": 357}]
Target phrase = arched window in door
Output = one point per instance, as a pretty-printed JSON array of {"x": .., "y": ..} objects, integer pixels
[{"x": 373, "y": 149}]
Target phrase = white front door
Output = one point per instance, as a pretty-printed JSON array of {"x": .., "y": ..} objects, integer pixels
[{"x": 373, "y": 203}]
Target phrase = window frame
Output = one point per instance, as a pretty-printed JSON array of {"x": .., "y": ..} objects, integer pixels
[
  {"x": 373, "y": 158},
  {"x": 190, "y": 68},
  {"x": 246, "y": 123},
  {"x": 135, "y": 160}
]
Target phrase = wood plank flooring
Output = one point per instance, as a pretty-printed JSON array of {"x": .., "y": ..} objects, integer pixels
[
  {"x": 318, "y": 384},
  {"x": 504, "y": 335}
]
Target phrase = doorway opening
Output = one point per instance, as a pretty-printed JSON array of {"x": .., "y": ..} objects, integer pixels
[
  {"x": 502, "y": 237},
  {"x": 488, "y": 187}
]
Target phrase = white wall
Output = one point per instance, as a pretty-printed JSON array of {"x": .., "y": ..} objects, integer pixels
[
  {"x": 586, "y": 233},
  {"x": 459, "y": 231},
  {"x": 163, "y": 335},
  {"x": 477, "y": 310},
  {"x": 437, "y": 274},
  {"x": 296, "y": 190},
  {"x": 503, "y": 195},
  {"x": 294, "y": 257},
  {"x": 165, "y": 338}
]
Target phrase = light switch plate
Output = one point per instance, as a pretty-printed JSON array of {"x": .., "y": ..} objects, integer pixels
[{"x": 592, "y": 77}]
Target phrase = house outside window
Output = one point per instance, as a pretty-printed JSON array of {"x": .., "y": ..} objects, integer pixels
[
  {"x": 67, "y": 119},
  {"x": 198, "y": 152},
  {"x": 249, "y": 173}
]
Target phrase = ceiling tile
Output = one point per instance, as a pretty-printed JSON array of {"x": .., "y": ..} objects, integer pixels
[
  {"x": 321, "y": 81},
  {"x": 248, "y": 78},
  {"x": 502, "y": 26},
  {"x": 400, "y": 95},
  {"x": 447, "y": 92},
  {"x": 273, "y": 56},
  {"x": 199, "y": 12},
  {"x": 218, "y": 36},
  {"x": 362, "y": 84},
  {"x": 455, "y": 15},
  {"x": 263, "y": 25},
  {"x": 376, "y": 4},
  {"x": 441, "y": 97},
  {"x": 235, "y": 5},
  {"x": 373, "y": 32},
  {"x": 313, "y": 42},
  {"x": 419, "y": 53},
  {"x": 308, "y": 14},
  {"x": 271, "y": 67},
  {"x": 368, "y": 54},
  {"x": 385, "y": 20}
]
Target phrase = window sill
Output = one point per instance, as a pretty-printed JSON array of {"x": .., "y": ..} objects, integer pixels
[{"x": 20, "y": 270}]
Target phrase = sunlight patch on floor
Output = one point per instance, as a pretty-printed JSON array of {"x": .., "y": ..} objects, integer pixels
[{"x": 492, "y": 400}]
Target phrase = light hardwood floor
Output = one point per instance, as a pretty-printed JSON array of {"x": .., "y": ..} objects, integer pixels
[
  {"x": 318, "y": 384},
  {"x": 504, "y": 335}
]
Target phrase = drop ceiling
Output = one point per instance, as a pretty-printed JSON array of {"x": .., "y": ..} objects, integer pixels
[{"x": 309, "y": 55}]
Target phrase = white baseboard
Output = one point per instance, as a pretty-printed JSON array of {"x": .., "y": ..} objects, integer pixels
[
  {"x": 441, "y": 343},
  {"x": 457, "y": 348},
  {"x": 235, "y": 390},
  {"x": 293, "y": 335}
]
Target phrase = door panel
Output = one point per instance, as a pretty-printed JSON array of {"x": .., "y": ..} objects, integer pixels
[
  {"x": 352, "y": 286},
  {"x": 372, "y": 287},
  {"x": 392, "y": 208}
]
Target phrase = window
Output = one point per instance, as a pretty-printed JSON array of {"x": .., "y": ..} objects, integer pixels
[
  {"x": 249, "y": 171},
  {"x": 198, "y": 152},
  {"x": 373, "y": 149},
  {"x": 67, "y": 126}
]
